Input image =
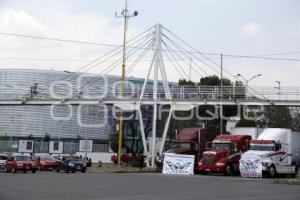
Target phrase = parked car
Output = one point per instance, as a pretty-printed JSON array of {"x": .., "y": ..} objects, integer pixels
[
  {"x": 45, "y": 162},
  {"x": 3, "y": 159},
  {"x": 71, "y": 163},
  {"x": 20, "y": 163}
]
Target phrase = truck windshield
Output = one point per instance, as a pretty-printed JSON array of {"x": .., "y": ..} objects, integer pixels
[
  {"x": 179, "y": 145},
  {"x": 221, "y": 145},
  {"x": 262, "y": 147}
]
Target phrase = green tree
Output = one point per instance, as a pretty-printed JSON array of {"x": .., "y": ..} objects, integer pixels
[
  {"x": 228, "y": 111},
  {"x": 214, "y": 81},
  {"x": 276, "y": 117},
  {"x": 185, "y": 82},
  {"x": 295, "y": 112},
  {"x": 246, "y": 123}
]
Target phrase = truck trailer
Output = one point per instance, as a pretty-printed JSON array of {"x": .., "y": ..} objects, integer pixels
[{"x": 277, "y": 150}]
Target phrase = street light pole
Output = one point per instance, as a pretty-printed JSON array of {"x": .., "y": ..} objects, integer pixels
[
  {"x": 248, "y": 80},
  {"x": 126, "y": 15},
  {"x": 279, "y": 88}
]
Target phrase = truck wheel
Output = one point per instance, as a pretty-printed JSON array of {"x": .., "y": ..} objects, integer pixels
[
  {"x": 33, "y": 171},
  {"x": 66, "y": 170},
  {"x": 272, "y": 172},
  {"x": 83, "y": 170},
  {"x": 203, "y": 172},
  {"x": 228, "y": 170}
]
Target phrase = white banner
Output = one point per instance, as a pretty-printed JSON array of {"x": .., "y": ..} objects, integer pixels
[
  {"x": 86, "y": 145},
  {"x": 178, "y": 164},
  {"x": 250, "y": 165},
  {"x": 25, "y": 146},
  {"x": 56, "y": 147}
]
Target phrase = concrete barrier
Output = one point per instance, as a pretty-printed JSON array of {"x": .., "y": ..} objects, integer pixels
[{"x": 97, "y": 156}]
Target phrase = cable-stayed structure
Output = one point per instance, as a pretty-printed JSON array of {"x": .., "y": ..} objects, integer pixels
[{"x": 161, "y": 56}]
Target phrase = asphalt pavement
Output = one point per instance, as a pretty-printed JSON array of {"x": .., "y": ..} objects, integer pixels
[{"x": 139, "y": 186}]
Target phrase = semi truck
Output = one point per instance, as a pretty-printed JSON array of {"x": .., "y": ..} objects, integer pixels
[
  {"x": 223, "y": 154},
  {"x": 190, "y": 141},
  {"x": 275, "y": 151}
]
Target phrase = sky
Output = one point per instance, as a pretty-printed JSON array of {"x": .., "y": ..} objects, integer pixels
[{"x": 269, "y": 28}]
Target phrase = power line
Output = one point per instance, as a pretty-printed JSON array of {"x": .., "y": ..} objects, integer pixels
[
  {"x": 139, "y": 59},
  {"x": 279, "y": 54},
  {"x": 59, "y": 40},
  {"x": 185, "y": 54},
  {"x": 188, "y": 45},
  {"x": 100, "y": 60},
  {"x": 77, "y": 60},
  {"x": 262, "y": 58},
  {"x": 190, "y": 52},
  {"x": 115, "y": 64}
]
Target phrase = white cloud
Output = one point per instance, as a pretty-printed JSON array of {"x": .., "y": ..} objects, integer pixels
[
  {"x": 251, "y": 29},
  {"x": 64, "y": 23},
  {"x": 14, "y": 20}
]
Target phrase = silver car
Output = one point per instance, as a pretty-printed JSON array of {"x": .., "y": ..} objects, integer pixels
[{"x": 3, "y": 159}]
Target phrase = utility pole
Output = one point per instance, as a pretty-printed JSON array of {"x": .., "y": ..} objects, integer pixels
[
  {"x": 190, "y": 69},
  {"x": 221, "y": 92},
  {"x": 126, "y": 15}
]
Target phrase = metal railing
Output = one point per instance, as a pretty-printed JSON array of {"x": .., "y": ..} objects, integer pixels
[{"x": 196, "y": 93}]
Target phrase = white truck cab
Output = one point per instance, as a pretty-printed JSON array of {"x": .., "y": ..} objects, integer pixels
[{"x": 278, "y": 151}]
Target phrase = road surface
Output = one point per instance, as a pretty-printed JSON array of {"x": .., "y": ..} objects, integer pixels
[{"x": 150, "y": 186}]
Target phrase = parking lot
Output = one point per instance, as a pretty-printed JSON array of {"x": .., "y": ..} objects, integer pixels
[{"x": 95, "y": 186}]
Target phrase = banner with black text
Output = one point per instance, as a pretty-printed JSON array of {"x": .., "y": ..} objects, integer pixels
[{"x": 178, "y": 164}]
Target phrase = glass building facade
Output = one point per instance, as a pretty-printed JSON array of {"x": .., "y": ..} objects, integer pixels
[{"x": 56, "y": 121}]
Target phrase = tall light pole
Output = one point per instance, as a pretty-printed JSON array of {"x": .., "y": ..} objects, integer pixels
[
  {"x": 221, "y": 106},
  {"x": 126, "y": 15},
  {"x": 248, "y": 80},
  {"x": 279, "y": 87}
]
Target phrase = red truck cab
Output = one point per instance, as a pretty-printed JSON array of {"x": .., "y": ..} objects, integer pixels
[
  {"x": 20, "y": 163},
  {"x": 191, "y": 141},
  {"x": 224, "y": 154}
]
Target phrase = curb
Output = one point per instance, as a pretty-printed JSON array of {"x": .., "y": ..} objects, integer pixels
[
  {"x": 294, "y": 181},
  {"x": 128, "y": 170}
]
